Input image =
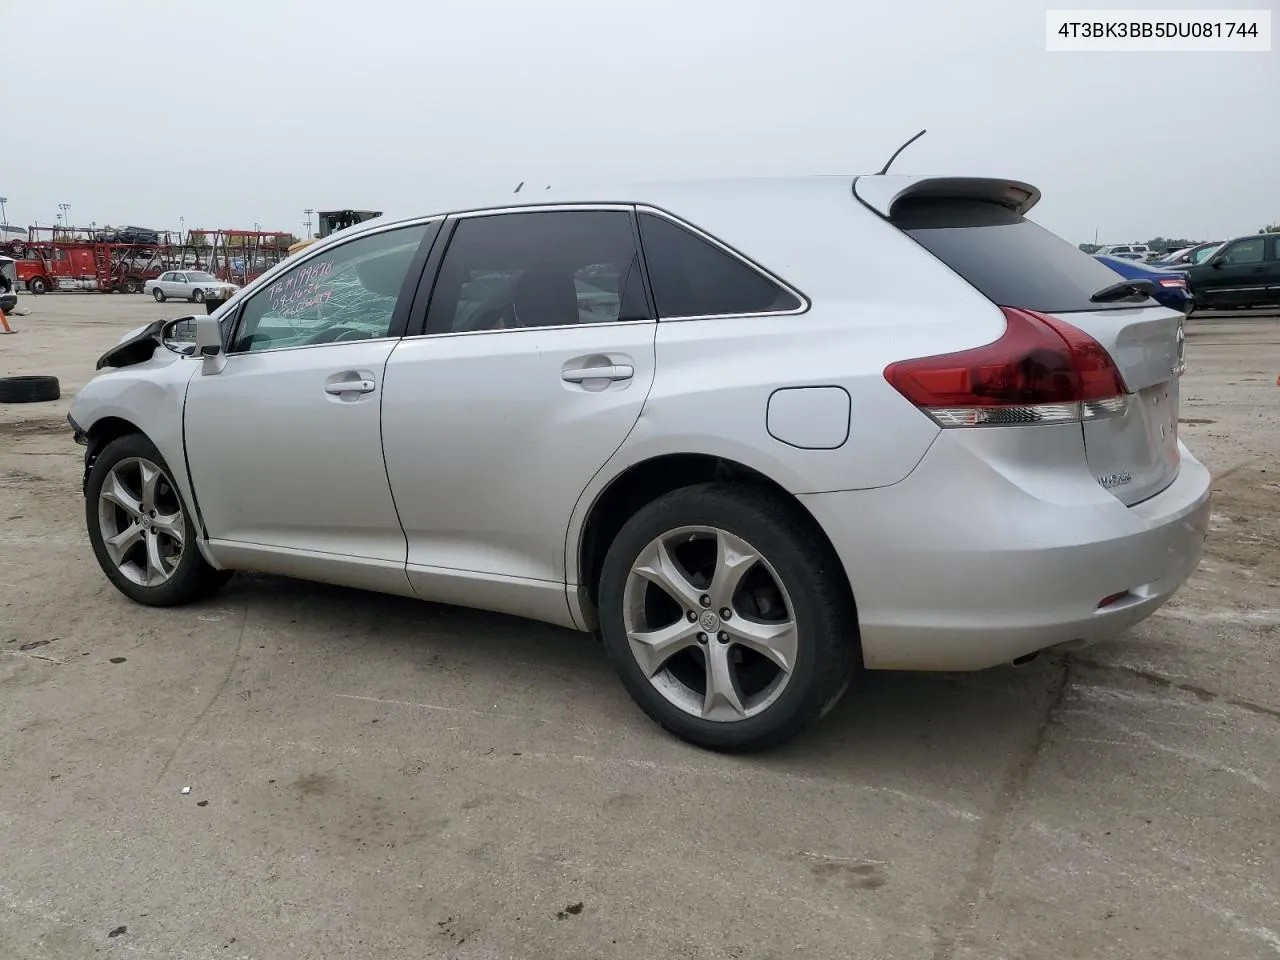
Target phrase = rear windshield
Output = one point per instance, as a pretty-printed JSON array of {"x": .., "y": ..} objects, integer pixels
[{"x": 1011, "y": 260}]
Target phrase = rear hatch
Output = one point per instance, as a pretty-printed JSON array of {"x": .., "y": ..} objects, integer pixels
[{"x": 1015, "y": 262}]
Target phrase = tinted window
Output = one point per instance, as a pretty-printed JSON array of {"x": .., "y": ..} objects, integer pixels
[
  {"x": 1275, "y": 247},
  {"x": 347, "y": 293},
  {"x": 694, "y": 278},
  {"x": 1246, "y": 251},
  {"x": 1011, "y": 260},
  {"x": 538, "y": 269}
]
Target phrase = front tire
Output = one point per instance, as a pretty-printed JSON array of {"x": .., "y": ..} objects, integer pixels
[
  {"x": 727, "y": 619},
  {"x": 198, "y": 296},
  {"x": 141, "y": 531}
]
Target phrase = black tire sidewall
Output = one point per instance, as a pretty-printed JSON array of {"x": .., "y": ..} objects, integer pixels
[
  {"x": 158, "y": 295},
  {"x": 774, "y": 530},
  {"x": 29, "y": 389},
  {"x": 194, "y": 578}
]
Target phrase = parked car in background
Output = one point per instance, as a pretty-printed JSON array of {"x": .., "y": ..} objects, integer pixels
[
  {"x": 193, "y": 285},
  {"x": 1244, "y": 272},
  {"x": 141, "y": 235},
  {"x": 1188, "y": 257},
  {"x": 1170, "y": 286},
  {"x": 1126, "y": 251},
  {"x": 673, "y": 414}
]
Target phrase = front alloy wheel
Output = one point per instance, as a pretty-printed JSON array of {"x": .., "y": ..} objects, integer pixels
[
  {"x": 141, "y": 533},
  {"x": 142, "y": 523}
]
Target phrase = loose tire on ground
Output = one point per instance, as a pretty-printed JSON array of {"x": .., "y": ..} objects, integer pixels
[
  {"x": 39, "y": 389},
  {"x": 192, "y": 578},
  {"x": 812, "y": 584}
]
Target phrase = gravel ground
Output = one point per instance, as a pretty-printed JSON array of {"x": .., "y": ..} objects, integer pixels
[{"x": 374, "y": 777}]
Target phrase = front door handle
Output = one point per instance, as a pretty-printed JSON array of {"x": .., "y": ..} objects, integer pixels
[
  {"x": 615, "y": 371},
  {"x": 349, "y": 386}
]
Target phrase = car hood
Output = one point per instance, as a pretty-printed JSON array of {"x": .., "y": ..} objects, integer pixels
[{"x": 136, "y": 346}]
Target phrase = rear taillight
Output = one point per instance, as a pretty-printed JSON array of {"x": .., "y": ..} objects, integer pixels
[
  {"x": 1041, "y": 370},
  {"x": 1173, "y": 282}
]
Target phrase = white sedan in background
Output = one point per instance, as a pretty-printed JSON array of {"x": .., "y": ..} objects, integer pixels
[{"x": 193, "y": 285}]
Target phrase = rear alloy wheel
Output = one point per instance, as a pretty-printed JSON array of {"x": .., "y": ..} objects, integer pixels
[
  {"x": 158, "y": 294},
  {"x": 140, "y": 530},
  {"x": 724, "y": 621}
]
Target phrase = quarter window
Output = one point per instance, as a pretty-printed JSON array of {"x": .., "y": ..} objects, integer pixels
[
  {"x": 1275, "y": 246},
  {"x": 347, "y": 293},
  {"x": 1246, "y": 251},
  {"x": 694, "y": 278},
  {"x": 546, "y": 268}
]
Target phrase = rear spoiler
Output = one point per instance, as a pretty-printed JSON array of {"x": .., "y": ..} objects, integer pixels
[{"x": 882, "y": 193}]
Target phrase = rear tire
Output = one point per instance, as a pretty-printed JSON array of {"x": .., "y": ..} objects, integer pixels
[
  {"x": 158, "y": 294},
  {"x": 768, "y": 561},
  {"x": 141, "y": 532}
]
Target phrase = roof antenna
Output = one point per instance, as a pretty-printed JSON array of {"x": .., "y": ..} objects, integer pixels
[
  {"x": 889, "y": 162},
  {"x": 518, "y": 186}
]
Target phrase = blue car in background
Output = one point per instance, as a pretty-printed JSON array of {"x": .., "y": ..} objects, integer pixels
[{"x": 1170, "y": 285}]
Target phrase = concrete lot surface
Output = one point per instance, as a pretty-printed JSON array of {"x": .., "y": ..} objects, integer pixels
[{"x": 377, "y": 778}]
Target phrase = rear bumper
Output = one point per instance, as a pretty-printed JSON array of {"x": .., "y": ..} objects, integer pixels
[{"x": 978, "y": 558}]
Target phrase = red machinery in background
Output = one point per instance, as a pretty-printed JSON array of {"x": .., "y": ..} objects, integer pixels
[
  {"x": 62, "y": 258},
  {"x": 58, "y": 258}
]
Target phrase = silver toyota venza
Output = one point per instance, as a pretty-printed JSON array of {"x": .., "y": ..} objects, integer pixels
[{"x": 758, "y": 434}]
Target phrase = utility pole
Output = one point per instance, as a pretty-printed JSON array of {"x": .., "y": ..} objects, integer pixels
[
  {"x": 66, "y": 217},
  {"x": 4, "y": 217},
  {"x": 307, "y": 221}
]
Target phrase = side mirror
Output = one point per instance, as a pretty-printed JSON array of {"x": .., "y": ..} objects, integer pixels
[
  {"x": 180, "y": 335},
  {"x": 1217, "y": 262},
  {"x": 209, "y": 344}
]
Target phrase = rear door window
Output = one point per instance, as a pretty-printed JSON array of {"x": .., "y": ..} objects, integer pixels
[
  {"x": 538, "y": 268},
  {"x": 1011, "y": 260},
  {"x": 693, "y": 277}
]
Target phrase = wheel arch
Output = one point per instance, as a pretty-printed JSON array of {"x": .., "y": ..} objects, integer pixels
[
  {"x": 103, "y": 431},
  {"x": 645, "y": 481}
]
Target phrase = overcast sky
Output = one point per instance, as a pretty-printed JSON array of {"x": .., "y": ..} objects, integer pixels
[{"x": 146, "y": 111}]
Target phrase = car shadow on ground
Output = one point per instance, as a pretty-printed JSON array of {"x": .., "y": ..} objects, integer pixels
[{"x": 890, "y": 726}]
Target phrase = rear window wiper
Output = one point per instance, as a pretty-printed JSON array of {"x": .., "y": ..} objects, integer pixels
[{"x": 1134, "y": 290}]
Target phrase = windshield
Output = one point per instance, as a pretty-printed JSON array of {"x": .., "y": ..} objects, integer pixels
[
  {"x": 1170, "y": 257},
  {"x": 200, "y": 275},
  {"x": 1200, "y": 256}
]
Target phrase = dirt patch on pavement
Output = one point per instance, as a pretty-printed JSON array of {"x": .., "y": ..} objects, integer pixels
[{"x": 1245, "y": 523}]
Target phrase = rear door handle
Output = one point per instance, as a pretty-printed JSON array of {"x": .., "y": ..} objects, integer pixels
[
  {"x": 616, "y": 371},
  {"x": 350, "y": 386}
]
